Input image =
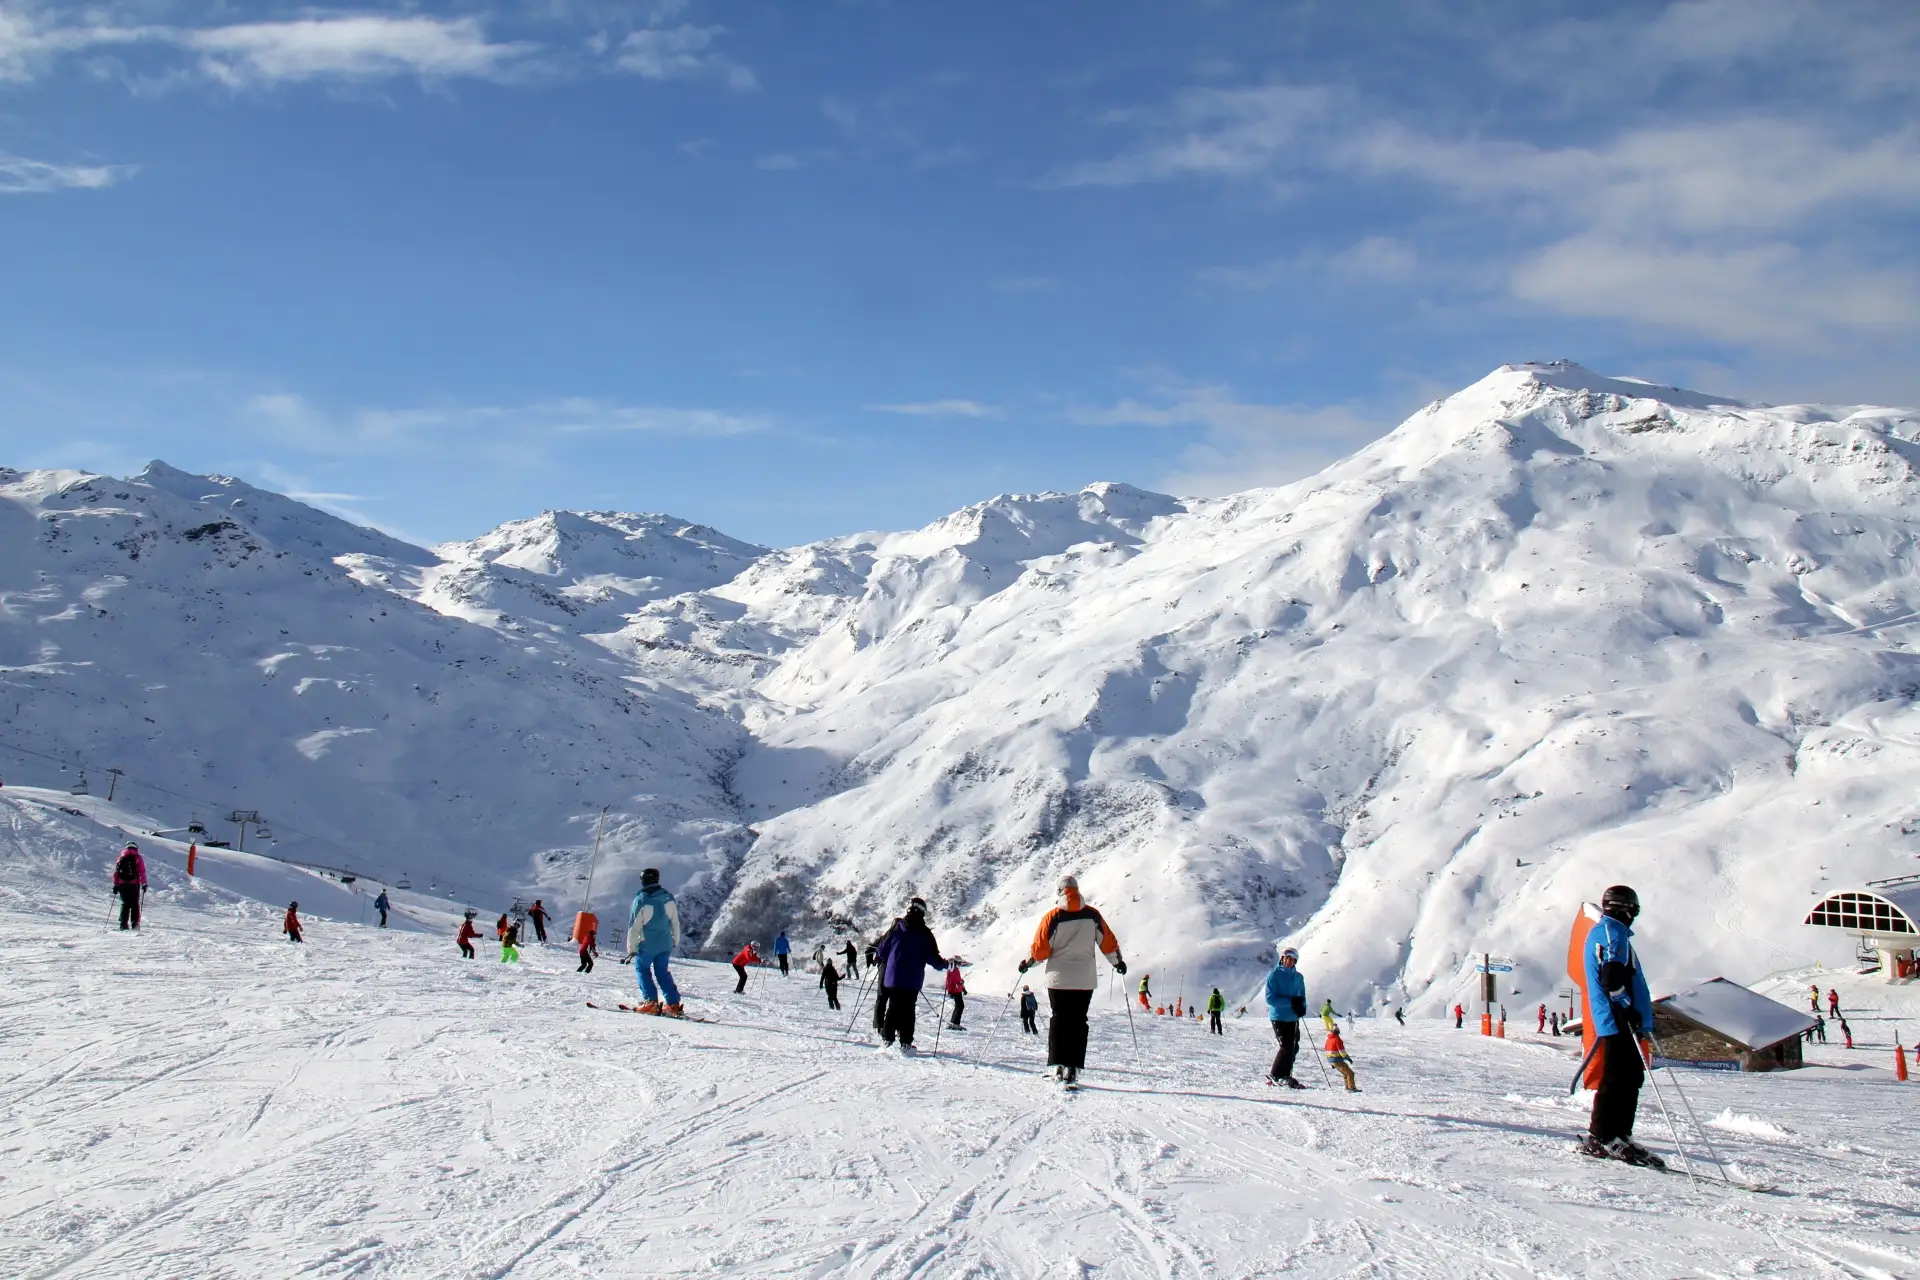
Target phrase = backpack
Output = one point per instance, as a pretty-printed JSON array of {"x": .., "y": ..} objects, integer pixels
[{"x": 127, "y": 870}]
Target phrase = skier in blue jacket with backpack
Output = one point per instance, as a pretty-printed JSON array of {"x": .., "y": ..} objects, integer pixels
[{"x": 1286, "y": 1005}]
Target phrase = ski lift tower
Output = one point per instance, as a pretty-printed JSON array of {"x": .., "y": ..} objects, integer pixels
[
  {"x": 240, "y": 818},
  {"x": 1884, "y": 915}
]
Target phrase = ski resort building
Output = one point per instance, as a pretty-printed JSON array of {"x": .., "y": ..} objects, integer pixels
[
  {"x": 1884, "y": 916},
  {"x": 1721, "y": 1024}
]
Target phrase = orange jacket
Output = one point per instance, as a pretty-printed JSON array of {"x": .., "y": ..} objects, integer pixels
[
  {"x": 1068, "y": 938},
  {"x": 292, "y": 923}
]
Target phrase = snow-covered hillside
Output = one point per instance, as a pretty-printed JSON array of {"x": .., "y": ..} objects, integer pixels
[
  {"x": 1556, "y": 631},
  {"x": 200, "y": 635}
]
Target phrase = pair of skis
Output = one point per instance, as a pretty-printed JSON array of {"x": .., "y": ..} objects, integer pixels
[{"x": 634, "y": 1008}]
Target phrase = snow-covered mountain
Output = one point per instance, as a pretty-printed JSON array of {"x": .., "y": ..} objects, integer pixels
[{"x": 1556, "y": 631}]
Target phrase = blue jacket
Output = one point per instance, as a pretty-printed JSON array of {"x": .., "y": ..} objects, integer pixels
[
  {"x": 780, "y": 947},
  {"x": 653, "y": 926},
  {"x": 905, "y": 954},
  {"x": 1610, "y": 942},
  {"x": 381, "y": 901},
  {"x": 1286, "y": 994}
]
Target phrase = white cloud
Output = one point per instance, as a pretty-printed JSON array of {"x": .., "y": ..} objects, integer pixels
[
  {"x": 685, "y": 52},
  {"x": 1212, "y": 133},
  {"x": 314, "y": 429},
  {"x": 938, "y": 409},
  {"x": 1373, "y": 259},
  {"x": 20, "y": 176}
]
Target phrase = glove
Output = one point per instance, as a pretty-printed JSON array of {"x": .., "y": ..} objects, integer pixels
[
  {"x": 1299, "y": 1006},
  {"x": 1025, "y": 965},
  {"x": 1120, "y": 967}
]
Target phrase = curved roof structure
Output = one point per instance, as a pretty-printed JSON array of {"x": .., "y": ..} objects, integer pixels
[{"x": 1888, "y": 909}]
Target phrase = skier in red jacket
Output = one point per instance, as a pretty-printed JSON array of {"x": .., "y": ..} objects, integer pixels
[
  {"x": 291, "y": 925},
  {"x": 747, "y": 955},
  {"x": 467, "y": 934}
]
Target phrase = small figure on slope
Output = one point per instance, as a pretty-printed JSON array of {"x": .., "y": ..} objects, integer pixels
[
  {"x": 589, "y": 939},
  {"x": 781, "y": 950},
  {"x": 1622, "y": 1015},
  {"x": 1216, "y": 1005},
  {"x": 903, "y": 957},
  {"x": 1068, "y": 939},
  {"x": 291, "y": 925},
  {"x": 1459, "y": 1017},
  {"x": 1286, "y": 992},
  {"x": 466, "y": 937},
  {"x": 1029, "y": 1008},
  {"x": 749, "y": 954},
  {"x": 1342, "y": 1060},
  {"x": 1833, "y": 1003},
  {"x": 653, "y": 932},
  {"x": 1399, "y": 1016},
  {"x": 510, "y": 944},
  {"x": 830, "y": 983},
  {"x": 1146, "y": 991},
  {"x": 538, "y": 914},
  {"x": 956, "y": 992},
  {"x": 852, "y": 953},
  {"x": 382, "y": 905},
  {"x": 129, "y": 885}
]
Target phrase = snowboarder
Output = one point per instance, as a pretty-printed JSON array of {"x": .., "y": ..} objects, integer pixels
[
  {"x": 466, "y": 936},
  {"x": 129, "y": 885},
  {"x": 291, "y": 925},
  {"x": 653, "y": 934},
  {"x": 1216, "y": 1005},
  {"x": 1286, "y": 1004},
  {"x": 1542, "y": 1028},
  {"x": 956, "y": 992},
  {"x": 1068, "y": 939},
  {"x": 852, "y": 953},
  {"x": 1833, "y": 1003},
  {"x": 904, "y": 956},
  {"x": 781, "y": 950},
  {"x": 1459, "y": 1017},
  {"x": 510, "y": 944},
  {"x": 588, "y": 938},
  {"x": 747, "y": 955},
  {"x": 1146, "y": 991},
  {"x": 1029, "y": 1007},
  {"x": 538, "y": 914},
  {"x": 1341, "y": 1060},
  {"x": 830, "y": 983},
  {"x": 1622, "y": 1017},
  {"x": 381, "y": 904}
]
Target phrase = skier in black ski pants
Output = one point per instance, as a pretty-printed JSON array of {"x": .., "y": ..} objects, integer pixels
[
  {"x": 1286, "y": 1004},
  {"x": 1616, "y": 990},
  {"x": 1029, "y": 1009},
  {"x": 852, "y": 954},
  {"x": 830, "y": 983}
]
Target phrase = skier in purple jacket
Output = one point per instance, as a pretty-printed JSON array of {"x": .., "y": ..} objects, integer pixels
[{"x": 904, "y": 956}]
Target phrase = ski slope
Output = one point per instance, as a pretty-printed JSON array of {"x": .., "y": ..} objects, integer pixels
[{"x": 205, "y": 1099}]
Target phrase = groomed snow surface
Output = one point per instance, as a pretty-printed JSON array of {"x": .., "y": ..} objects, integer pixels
[{"x": 205, "y": 1099}]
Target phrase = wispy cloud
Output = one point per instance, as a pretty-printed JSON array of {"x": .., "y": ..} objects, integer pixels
[
  {"x": 938, "y": 409},
  {"x": 1209, "y": 133},
  {"x": 683, "y": 52},
  {"x": 312, "y": 428},
  {"x": 20, "y": 176},
  {"x": 1376, "y": 259}
]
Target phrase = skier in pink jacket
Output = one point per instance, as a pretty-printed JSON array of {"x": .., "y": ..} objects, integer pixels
[{"x": 130, "y": 885}]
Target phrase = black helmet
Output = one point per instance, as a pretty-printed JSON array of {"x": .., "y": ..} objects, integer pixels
[
  {"x": 1621, "y": 902},
  {"x": 650, "y": 876}
]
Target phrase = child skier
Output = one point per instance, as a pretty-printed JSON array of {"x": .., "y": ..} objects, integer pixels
[
  {"x": 1342, "y": 1061},
  {"x": 830, "y": 983},
  {"x": 510, "y": 945},
  {"x": 466, "y": 936},
  {"x": 291, "y": 925},
  {"x": 957, "y": 992},
  {"x": 1029, "y": 1009}
]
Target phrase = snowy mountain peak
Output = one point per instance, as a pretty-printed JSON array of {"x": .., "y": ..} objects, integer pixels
[
  {"x": 285, "y": 522},
  {"x": 664, "y": 551}
]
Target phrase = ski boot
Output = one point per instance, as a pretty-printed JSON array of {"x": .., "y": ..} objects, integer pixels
[
  {"x": 651, "y": 1006},
  {"x": 675, "y": 1011},
  {"x": 1630, "y": 1152}
]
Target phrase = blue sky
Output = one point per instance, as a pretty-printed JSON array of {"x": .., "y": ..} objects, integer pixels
[{"x": 809, "y": 268}]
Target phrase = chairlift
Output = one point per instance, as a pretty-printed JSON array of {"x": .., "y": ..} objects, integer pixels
[
  {"x": 262, "y": 832},
  {"x": 403, "y": 882},
  {"x": 197, "y": 829},
  {"x": 1865, "y": 952},
  {"x": 79, "y": 788}
]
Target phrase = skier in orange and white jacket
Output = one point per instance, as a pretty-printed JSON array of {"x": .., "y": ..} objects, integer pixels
[{"x": 1068, "y": 939}]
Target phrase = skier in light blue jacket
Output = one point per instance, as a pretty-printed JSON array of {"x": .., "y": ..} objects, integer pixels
[
  {"x": 1622, "y": 1014},
  {"x": 653, "y": 931},
  {"x": 1286, "y": 1005}
]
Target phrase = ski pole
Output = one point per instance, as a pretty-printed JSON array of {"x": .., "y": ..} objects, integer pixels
[
  {"x": 1672, "y": 1128},
  {"x": 1320, "y": 1058},
  {"x": 1702, "y": 1129},
  {"x": 1581, "y": 1073},
  {"x": 1128, "y": 1006},
  {"x": 858, "y": 1000},
  {"x": 940, "y": 1022}
]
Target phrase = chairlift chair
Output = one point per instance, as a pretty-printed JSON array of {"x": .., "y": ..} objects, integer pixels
[{"x": 79, "y": 788}]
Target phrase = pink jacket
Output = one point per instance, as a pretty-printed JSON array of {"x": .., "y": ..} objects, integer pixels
[{"x": 138, "y": 877}]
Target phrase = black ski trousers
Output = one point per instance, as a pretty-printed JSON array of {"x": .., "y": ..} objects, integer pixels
[
  {"x": 1026, "y": 1022},
  {"x": 129, "y": 906},
  {"x": 783, "y": 966},
  {"x": 1617, "y": 1100},
  {"x": 383, "y": 917},
  {"x": 1288, "y": 1034},
  {"x": 586, "y": 962},
  {"x": 742, "y": 984},
  {"x": 1213, "y": 1022},
  {"x": 1067, "y": 1030},
  {"x": 833, "y": 996},
  {"x": 901, "y": 1004},
  {"x": 959, "y": 1007},
  {"x": 466, "y": 949}
]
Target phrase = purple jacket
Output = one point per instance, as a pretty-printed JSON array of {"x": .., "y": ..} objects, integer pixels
[
  {"x": 139, "y": 876},
  {"x": 906, "y": 953}
]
